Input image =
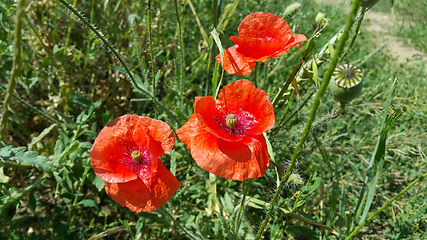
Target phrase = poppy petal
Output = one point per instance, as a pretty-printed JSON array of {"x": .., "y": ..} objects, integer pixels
[
  {"x": 295, "y": 39},
  {"x": 161, "y": 134},
  {"x": 256, "y": 49},
  {"x": 165, "y": 186},
  {"x": 106, "y": 154},
  {"x": 243, "y": 95},
  {"x": 133, "y": 195},
  {"x": 231, "y": 160},
  {"x": 234, "y": 62},
  {"x": 265, "y": 26}
]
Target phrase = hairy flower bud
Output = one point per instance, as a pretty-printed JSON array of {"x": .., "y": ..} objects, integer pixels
[
  {"x": 346, "y": 83},
  {"x": 291, "y": 10}
]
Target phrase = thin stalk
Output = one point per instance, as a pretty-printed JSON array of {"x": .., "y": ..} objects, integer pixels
[
  {"x": 55, "y": 23},
  {"x": 183, "y": 229},
  {"x": 242, "y": 205},
  {"x": 153, "y": 73},
  {"x": 312, "y": 115},
  {"x": 181, "y": 49},
  {"x": 356, "y": 32},
  {"x": 285, "y": 86},
  {"x": 385, "y": 205},
  {"x": 29, "y": 106},
  {"x": 14, "y": 164},
  {"x": 283, "y": 122},
  {"x": 142, "y": 64},
  {"x": 255, "y": 75},
  {"x": 70, "y": 27},
  {"x": 110, "y": 48},
  {"x": 15, "y": 68},
  {"x": 265, "y": 75},
  {"x": 92, "y": 13}
]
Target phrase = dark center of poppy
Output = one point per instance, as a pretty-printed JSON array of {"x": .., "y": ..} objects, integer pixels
[
  {"x": 236, "y": 123},
  {"x": 231, "y": 120},
  {"x": 136, "y": 156}
]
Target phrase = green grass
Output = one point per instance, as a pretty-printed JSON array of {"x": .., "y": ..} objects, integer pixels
[{"x": 83, "y": 86}]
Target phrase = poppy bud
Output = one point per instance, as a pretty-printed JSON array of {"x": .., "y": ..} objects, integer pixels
[
  {"x": 295, "y": 180},
  {"x": 346, "y": 83},
  {"x": 320, "y": 16},
  {"x": 368, "y": 3},
  {"x": 291, "y": 10}
]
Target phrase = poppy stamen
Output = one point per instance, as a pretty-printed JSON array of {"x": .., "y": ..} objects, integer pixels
[
  {"x": 231, "y": 120},
  {"x": 136, "y": 156},
  {"x": 235, "y": 123}
]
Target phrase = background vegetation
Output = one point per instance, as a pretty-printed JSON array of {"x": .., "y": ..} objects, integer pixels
[{"x": 70, "y": 86}]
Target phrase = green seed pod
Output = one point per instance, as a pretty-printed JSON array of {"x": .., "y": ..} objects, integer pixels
[
  {"x": 368, "y": 3},
  {"x": 346, "y": 83},
  {"x": 291, "y": 10}
]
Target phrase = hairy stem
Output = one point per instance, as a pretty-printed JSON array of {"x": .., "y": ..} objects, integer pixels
[
  {"x": 153, "y": 73},
  {"x": 15, "y": 68},
  {"x": 181, "y": 49},
  {"x": 242, "y": 205},
  {"x": 312, "y": 115}
]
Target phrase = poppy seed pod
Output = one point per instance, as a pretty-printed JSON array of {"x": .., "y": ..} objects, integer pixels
[
  {"x": 368, "y": 3},
  {"x": 346, "y": 83}
]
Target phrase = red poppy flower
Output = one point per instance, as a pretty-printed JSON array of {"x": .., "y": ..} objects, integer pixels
[
  {"x": 225, "y": 136},
  {"x": 126, "y": 155},
  {"x": 261, "y": 36}
]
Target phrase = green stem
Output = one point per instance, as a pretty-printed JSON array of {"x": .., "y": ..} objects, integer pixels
[
  {"x": 183, "y": 229},
  {"x": 153, "y": 73},
  {"x": 92, "y": 13},
  {"x": 70, "y": 27},
  {"x": 55, "y": 24},
  {"x": 29, "y": 106},
  {"x": 14, "y": 164},
  {"x": 181, "y": 49},
  {"x": 385, "y": 205},
  {"x": 110, "y": 48},
  {"x": 285, "y": 86},
  {"x": 15, "y": 68},
  {"x": 356, "y": 32},
  {"x": 242, "y": 205},
  {"x": 255, "y": 75},
  {"x": 312, "y": 115}
]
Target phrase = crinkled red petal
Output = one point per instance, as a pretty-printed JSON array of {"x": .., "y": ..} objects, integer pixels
[
  {"x": 232, "y": 160},
  {"x": 243, "y": 95},
  {"x": 234, "y": 62},
  {"x": 161, "y": 133},
  {"x": 107, "y": 151},
  {"x": 140, "y": 197},
  {"x": 133, "y": 195},
  {"x": 265, "y": 26},
  {"x": 257, "y": 49},
  {"x": 295, "y": 39}
]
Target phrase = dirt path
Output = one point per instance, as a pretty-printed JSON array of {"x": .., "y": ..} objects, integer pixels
[{"x": 381, "y": 26}]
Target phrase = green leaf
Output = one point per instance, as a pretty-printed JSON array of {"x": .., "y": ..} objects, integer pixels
[
  {"x": 42, "y": 135},
  {"x": 89, "y": 203},
  {"x": 377, "y": 160},
  {"x": 30, "y": 157},
  {"x": 315, "y": 73}
]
